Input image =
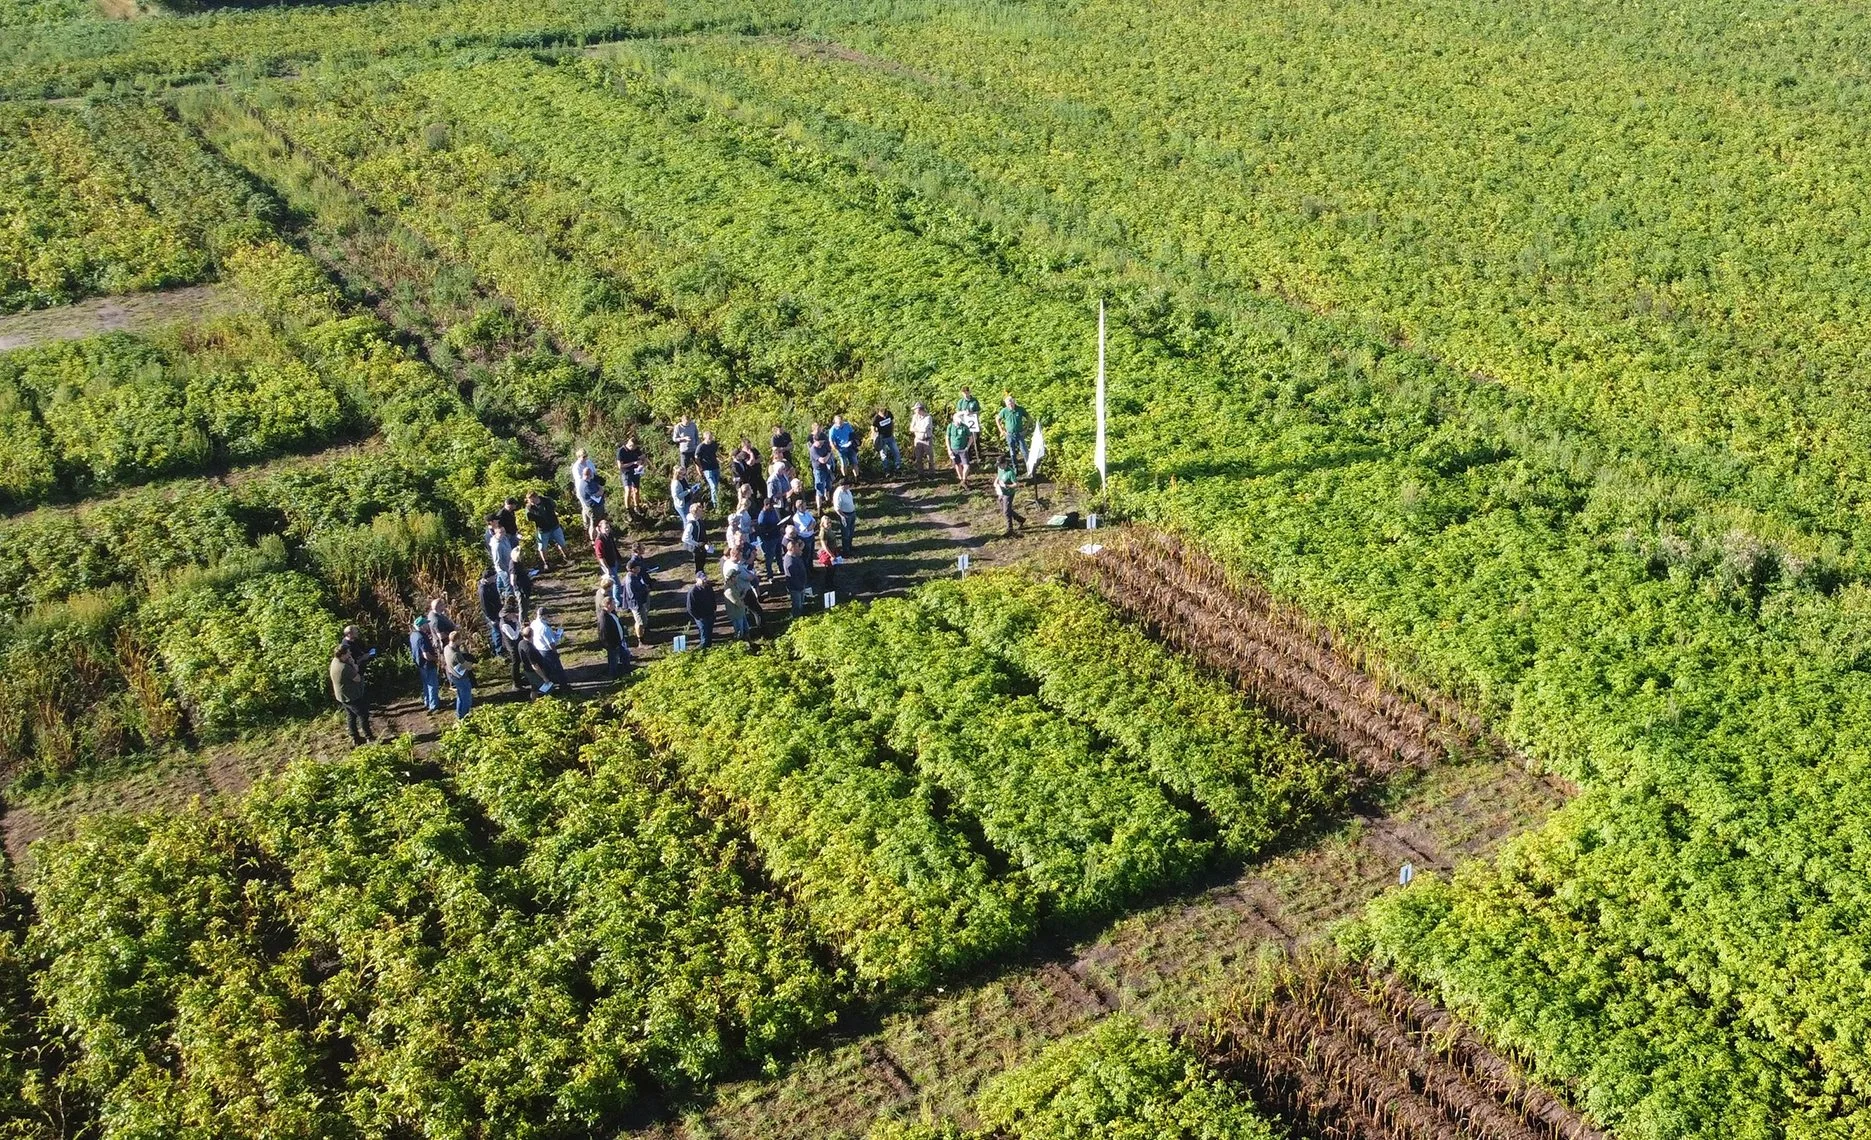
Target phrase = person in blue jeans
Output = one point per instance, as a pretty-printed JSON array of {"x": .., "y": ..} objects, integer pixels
[
  {"x": 884, "y": 432},
  {"x": 428, "y": 662},
  {"x": 819, "y": 450},
  {"x": 844, "y": 439},
  {"x": 767, "y": 526},
  {"x": 456, "y": 662},
  {"x": 702, "y": 606},
  {"x": 798, "y": 575}
]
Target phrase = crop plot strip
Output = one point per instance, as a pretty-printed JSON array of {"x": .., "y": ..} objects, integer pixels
[
  {"x": 1283, "y": 661},
  {"x": 1350, "y": 1056}
]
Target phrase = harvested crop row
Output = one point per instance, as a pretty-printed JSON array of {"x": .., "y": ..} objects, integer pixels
[
  {"x": 1348, "y": 1054},
  {"x": 1285, "y": 662}
]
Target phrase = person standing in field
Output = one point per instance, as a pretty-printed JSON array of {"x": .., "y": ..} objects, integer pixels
[
  {"x": 845, "y": 506},
  {"x": 604, "y": 548},
  {"x": 968, "y": 411},
  {"x": 440, "y": 624},
  {"x": 827, "y": 560},
  {"x": 456, "y": 663},
  {"x": 844, "y": 440},
  {"x": 767, "y": 526},
  {"x": 546, "y": 529},
  {"x": 796, "y": 575},
  {"x": 744, "y": 469},
  {"x": 500, "y": 546},
  {"x": 519, "y": 578},
  {"x": 630, "y": 466},
  {"x": 1012, "y": 419},
  {"x": 884, "y": 438},
  {"x": 546, "y": 638},
  {"x": 637, "y": 593},
  {"x": 488, "y": 594},
  {"x": 733, "y": 598},
  {"x": 922, "y": 440},
  {"x": 611, "y": 635},
  {"x": 347, "y": 687},
  {"x": 427, "y": 661},
  {"x": 519, "y": 646},
  {"x": 681, "y": 494},
  {"x": 779, "y": 481},
  {"x": 1006, "y": 483},
  {"x": 695, "y": 536},
  {"x": 686, "y": 436},
  {"x": 782, "y": 441},
  {"x": 819, "y": 450},
  {"x": 702, "y": 605},
  {"x": 586, "y": 489},
  {"x": 708, "y": 458},
  {"x": 959, "y": 440}
]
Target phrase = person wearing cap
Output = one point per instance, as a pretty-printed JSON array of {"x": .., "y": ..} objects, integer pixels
[
  {"x": 428, "y": 662},
  {"x": 702, "y": 605},
  {"x": 922, "y": 440}
]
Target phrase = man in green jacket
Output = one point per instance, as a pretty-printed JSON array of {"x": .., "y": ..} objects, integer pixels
[{"x": 959, "y": 438}]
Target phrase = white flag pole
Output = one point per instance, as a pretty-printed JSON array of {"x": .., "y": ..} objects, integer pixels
[{"x": 1099, "y": 455}]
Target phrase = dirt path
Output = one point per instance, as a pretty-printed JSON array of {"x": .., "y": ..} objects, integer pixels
[{"x": 132, "y": 312}]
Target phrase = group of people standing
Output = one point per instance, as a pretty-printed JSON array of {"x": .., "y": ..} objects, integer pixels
[{"x": 794, "y": 518}]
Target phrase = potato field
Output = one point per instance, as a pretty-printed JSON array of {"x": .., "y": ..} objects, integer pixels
[{"x": 1456, "y": 725}]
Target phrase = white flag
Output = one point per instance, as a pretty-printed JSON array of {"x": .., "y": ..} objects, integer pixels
[
  {"x": 1098, "y": 455},
  {"x": 1036, "y": 452}
]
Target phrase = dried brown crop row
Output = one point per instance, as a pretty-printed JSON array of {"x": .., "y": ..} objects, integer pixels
[
  {"x": 1350, "y": 1056},
  {"x": 1294, "y": 667}
]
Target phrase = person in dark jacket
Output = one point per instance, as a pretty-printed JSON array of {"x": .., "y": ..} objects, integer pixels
[
  {"x": 637, "y": 594},
  {"x": 702, "y": 606},
  {"x": 347, "y": 687},
  {"x": 798, "y": 571},
  {"x": 708, "y": 458},
  {"x": 767, "y": 528},
  {"x": 428, "y": 662},
  {"x": 489, "y": 596},
  {"x": 616, "y": 642},
  {"x": 519, "y": 648}
]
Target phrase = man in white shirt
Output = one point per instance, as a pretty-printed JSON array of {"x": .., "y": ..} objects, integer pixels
[
  {"x": 922, "y": 440},
  {"x": 546, "y": 641},
  {"x": 845, "y": 506}
]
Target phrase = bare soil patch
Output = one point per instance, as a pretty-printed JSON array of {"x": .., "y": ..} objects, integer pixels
[
  {"x": 1344, "y": 1053},
  {"x": 132, "y": 312}
]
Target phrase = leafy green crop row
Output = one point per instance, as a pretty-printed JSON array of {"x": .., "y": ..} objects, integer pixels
[
  {"x": 102, "y": 675},
  {"x": 1117, "y": 1081},
  {"x": 109, "y": 199},
  {"x": 1632, "y": 612},
  {"x": 1088, "y": 830},
  {"x": 897, "y": 891},
  {"x": 525, "y": 947},
  {"x": 1254, "y": 777},
  {"x": 836, "y": 745}
]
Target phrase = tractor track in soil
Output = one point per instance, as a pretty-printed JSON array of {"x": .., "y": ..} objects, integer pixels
[
  {"x": 1346, "y": 1054},
  {"x": 1298, "y": 670}
]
